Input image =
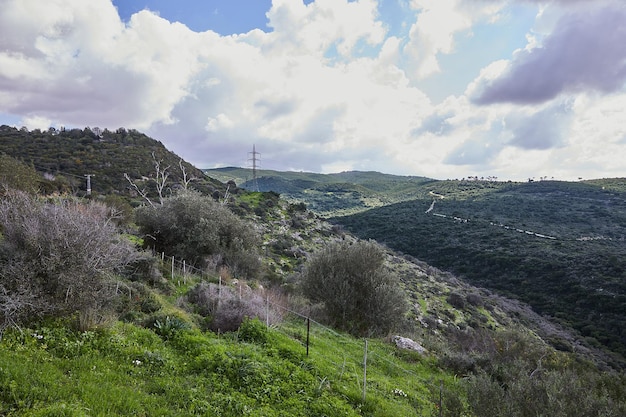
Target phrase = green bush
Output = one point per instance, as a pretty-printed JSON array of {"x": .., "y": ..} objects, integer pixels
[
  {"x": 193, "y": 227},
  {"x": 168, "y": 326},
  {"x": 253, "y": 331},
  {"x": 358, "y": 293}
]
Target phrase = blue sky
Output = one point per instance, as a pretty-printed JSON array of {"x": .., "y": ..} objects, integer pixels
[
  {"x": 225, "y": 17},
  {"x": 440, "y": 88}
]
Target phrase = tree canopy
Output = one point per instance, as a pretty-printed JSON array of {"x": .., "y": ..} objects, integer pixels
[{"x": 358, "y": 293}]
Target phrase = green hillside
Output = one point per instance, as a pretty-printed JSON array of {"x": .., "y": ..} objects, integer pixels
[
  {"x": 65, "y": 157},
  {"x": 158, "y": 358},
  {"x": 558, "y": 246}
]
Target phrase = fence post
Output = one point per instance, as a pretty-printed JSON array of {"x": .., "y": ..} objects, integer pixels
[
  {"x": 308, "y": 333},
  {"x": 267, "y": 311},
  {"x": 184, "y": 272},
  {"x": 172, "y": 268},
  {"x": 219, "y": 291},
  {"x": 364, "y": 370},
  {"x": 441, "y": 398}
]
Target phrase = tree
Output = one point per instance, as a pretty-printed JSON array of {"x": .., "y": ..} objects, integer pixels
[
  {"x": 58, "y": 257},
  {"x": 358, "y": 292},
  {"x": 193, "y": 227},
  {"x": 17, "y": 175}
]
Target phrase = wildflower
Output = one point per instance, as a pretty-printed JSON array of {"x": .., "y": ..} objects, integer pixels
[
  {"x": 137, "y": 362},
  {"x": 399, "y": 392}
]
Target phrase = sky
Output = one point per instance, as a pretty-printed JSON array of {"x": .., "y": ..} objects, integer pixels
[{"x": 446, "y": 89}]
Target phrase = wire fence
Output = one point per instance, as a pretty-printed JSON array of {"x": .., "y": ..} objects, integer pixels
[{"x": 347, "y": 356}]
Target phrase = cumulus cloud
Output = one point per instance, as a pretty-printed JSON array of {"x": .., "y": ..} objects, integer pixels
[
  {"x": 328, "y": 88},
  {"x": 64, "y": 63},
  {"x": 584, "y": 52},
  {"x": 313, "y": 28},
  {"x": 437, "y": 24}
]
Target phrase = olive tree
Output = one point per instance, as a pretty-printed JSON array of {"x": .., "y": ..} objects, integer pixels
[
  {"x": 194, "y": 227},
  {"x": 359, "y": 294},
  {"x": 58, "y": 257}
]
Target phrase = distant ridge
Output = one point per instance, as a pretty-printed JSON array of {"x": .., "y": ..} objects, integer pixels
[{"x": 328, "y": 194}]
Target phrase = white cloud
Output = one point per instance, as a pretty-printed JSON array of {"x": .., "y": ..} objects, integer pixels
[
  {"x": 36, "y": 122},
  {"x": 312, "y": 29},
  {"x": 438, "y": 23},
  {"x": 327, "y": 89}
]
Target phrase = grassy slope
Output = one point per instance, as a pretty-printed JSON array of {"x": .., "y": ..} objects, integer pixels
[{"x": 127, "y": 370}]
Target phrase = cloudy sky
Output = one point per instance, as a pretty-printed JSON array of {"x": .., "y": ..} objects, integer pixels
[{"x": 437, "y": 88}]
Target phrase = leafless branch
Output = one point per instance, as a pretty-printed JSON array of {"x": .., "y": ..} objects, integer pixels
[{"x": 141, "y": 192}]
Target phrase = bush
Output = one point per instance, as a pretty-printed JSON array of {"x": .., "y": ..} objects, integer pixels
[
  {"x": 196, "y": 228},
  {"x": 253, "y": 331},
  {"x": 227, "y": 308},
  {"x": 456, "y": 300},
  {"x": 168, "y": 326},
  {"x": 16, "y": 175},
  {"x": 358, "y": 293},
  {"x": 58, "y": 258}
]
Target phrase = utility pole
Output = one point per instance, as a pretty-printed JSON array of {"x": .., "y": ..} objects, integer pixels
[
  {"x": 88, "y": 176},
  {"x": 253, "y": 157}
]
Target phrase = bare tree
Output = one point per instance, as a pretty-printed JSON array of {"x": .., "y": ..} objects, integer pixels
[
  {"x": 160, "y": 178},
  {"x": 186, "y": 178}
]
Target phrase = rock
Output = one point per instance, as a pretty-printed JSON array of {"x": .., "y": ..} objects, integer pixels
[{"x": 408, "y": 344}]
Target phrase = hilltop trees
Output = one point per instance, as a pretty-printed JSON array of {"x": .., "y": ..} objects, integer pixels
[
  {"x": 193, "y": 227},
  {"x": 57, "y": 257},
  {"x": 358, "y": 293}
]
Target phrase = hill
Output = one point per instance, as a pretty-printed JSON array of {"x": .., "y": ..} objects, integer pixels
[
  {"x": 65, "y": 157},
  {"x": 558, "y": 246},
  {"x": 328, "y": 194}
]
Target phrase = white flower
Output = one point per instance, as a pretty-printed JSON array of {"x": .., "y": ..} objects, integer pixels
[
  {"x": 137, "y": 362},
  {"x": 399, "y": 392}
]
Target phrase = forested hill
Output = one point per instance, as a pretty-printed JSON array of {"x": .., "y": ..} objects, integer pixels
[
  {"x": 65, "y": 157},
  {"x": 559, "y": 246}
]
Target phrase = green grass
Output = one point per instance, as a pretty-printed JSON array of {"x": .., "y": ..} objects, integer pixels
[{"x": 128, "y": 370}]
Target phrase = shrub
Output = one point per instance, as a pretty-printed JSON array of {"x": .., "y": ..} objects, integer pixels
[
  {"x": 58, "y": 257},
  {"x": 228, "y": 308},
  {"x": 456, "y": 300},
  {"x": 193, "y": 227},
  {"x": 16, "y": 175},
  {"x": 253, "y": 331},
  {"x": 168, "y": 326},
  {"x": 358, "y": 293}
]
